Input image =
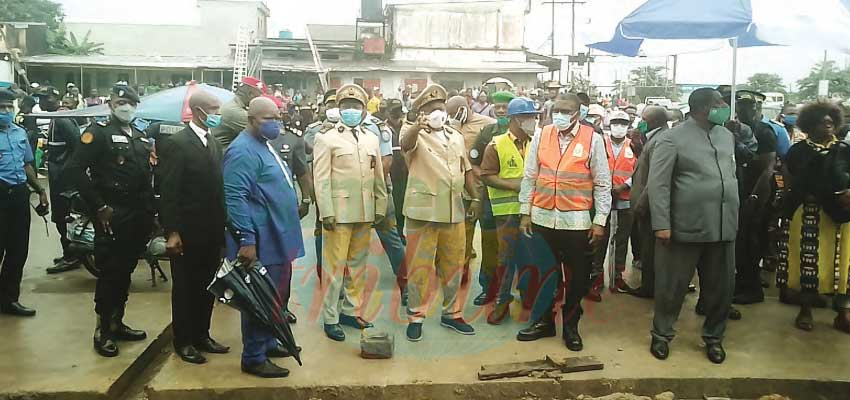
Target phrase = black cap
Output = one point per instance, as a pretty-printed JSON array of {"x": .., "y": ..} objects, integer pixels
[
  {"x": 7, "y": 96},
  {"x": 126, "y": 92}
]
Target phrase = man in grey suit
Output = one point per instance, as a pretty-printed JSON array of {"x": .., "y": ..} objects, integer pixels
[
  {"x": 656, "y": 119},
  {"x": 693, "y": 197}
]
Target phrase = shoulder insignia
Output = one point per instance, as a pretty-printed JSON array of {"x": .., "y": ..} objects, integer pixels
[
  {"x": 102, "y": 123},
  {"x": 314, "y": 124},
  {"x": 87, "y": 137}
]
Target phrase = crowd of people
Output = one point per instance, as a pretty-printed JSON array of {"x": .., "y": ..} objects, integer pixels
[{"x": 556, "y": 183}]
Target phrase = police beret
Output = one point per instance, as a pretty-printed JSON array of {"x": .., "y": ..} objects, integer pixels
[
  {"x": 749, "y": 95},
  {"x": 352, "y": 91},
  {"x": 330, "y": 95},
  {"x": 433, "y": 92},
  {"x": 503, "y": 97},
  {"x": 6, "y": 95},
  {"x": 125, "y": 92}
]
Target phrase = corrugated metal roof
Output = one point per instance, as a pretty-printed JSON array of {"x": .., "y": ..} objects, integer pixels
[
  {"x": 132, "y": 61},
  {"x": 403, "y": 66}
]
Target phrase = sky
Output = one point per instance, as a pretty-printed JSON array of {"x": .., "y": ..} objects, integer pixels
[{"x": 594, "y": 22}]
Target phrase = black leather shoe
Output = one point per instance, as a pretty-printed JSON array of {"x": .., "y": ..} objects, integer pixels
[
  {"x": 481, "y": 299},
  {"x": 660, "y": 349},
  {"x": 538, "y": 330},
  {"x": 127, "y": 334},
  {"x": 290, "y": 317},
  {"x": 63, "y": 265},
  {"x": 735, "y": 314},
  {"x": 104, "y": 345},
  {"x": 354, "y": 322},
  {"x": 16, "y": 309},
  {"x": 266, "y": 369},
  {"x": 335, "y": 332},
  {"x": 209, "y": 345},
  {"x": 572, "y": 339},
  {"x": 715, "y": 353},
  {"x": 280, "y": 352},
  {"x": 191, "y": 355}
]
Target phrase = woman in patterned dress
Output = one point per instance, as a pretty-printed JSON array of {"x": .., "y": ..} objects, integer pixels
[{"x": 817, "y": 255}]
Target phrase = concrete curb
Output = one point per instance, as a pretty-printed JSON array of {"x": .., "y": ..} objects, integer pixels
[
  {"x": 529, "y": 388},
  {"x": 140, "y": 364}
]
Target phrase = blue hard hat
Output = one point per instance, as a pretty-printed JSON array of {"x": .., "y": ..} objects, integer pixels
[{"x": 521, "y": 106}]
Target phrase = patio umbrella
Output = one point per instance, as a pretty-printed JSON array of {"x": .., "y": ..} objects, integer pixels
[
  {"x": 170, "y": 105},
  {"x": 663, "y": 27}
]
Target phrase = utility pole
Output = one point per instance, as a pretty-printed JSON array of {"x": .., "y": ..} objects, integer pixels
[{"x": 572, "y": 29}]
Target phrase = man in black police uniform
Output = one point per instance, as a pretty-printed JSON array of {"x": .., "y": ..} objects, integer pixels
[
  {"x": 120, "y": 195},
  {"x": 15, "y": 173},
  {"x": 63, "y": 134},
  {"x": 398, "y": 168},
  {"x": 291, "y": 147}
]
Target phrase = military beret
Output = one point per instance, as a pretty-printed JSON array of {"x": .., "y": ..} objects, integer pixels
[
  {"x": 7, "y": 96},
  {"x": 433, "y": 92},
  {"x": 352, "y": 91},
  {"x": 749, "y": 95},
  {"x": 330, "y": 95},
  {"x": 125, "y": 92},
  {"x": 503, "y": 97}
]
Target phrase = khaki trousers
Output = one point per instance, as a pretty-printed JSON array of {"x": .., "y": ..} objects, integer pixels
[
  {"x": 345, "y": 251},
  {"x": 435, "y": 257}
]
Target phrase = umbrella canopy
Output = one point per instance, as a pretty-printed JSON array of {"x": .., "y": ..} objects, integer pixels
[{"x": 171, "y": 105}]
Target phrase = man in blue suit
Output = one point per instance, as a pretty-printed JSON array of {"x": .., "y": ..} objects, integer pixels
[{"x": 262, "y": 207}]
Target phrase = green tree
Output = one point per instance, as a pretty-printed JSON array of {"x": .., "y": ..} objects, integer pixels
[
  {"x": 651, "y": 81},
  {"x": 839, "y": 81},
  {"x": 764, "y": 82},
  {"x": 45, "y": 11}
]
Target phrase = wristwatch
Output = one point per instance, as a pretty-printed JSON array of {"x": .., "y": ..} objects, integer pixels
[{"x": 306, "y": 202}]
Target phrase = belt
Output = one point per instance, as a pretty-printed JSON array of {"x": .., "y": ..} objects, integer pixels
[{"x": 9, "y": 189}]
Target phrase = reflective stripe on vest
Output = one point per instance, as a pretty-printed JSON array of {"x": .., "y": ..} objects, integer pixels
[
  {"x": 622, "y": 167},
  {"x": 511, "y": 166},
  {"x": 564, "y": 181}
]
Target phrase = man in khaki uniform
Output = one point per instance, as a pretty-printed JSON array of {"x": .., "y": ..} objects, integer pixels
[
  {"x": 433, "y": 205},
  {"x": 351, "y": 195},
  {"x": 470, "y": 124}
]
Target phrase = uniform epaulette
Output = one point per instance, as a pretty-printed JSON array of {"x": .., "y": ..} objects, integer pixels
[
  {"x": 314, "y": 124},
  {"x": 295, "y": 131},
  {"x": 326, "y": 127},
  {"x": 375, "y": 120},
  {"x": 102, "y": 123}
]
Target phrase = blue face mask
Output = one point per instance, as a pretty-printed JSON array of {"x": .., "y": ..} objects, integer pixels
[
  {"x": 213, "y": 120},
  {"x": 562, "y": 121},
  {"x": 270, "y": 129},
  {"x": 351, "y": 117},
  {"x": 583, "y": 109},
  {"x": 790, "y": 120},
  {"x": 6, "y": 118}
]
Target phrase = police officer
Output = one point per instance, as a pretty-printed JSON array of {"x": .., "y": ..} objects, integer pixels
[
  {"x": 63, "y": 134},
  {"x": 120, "y": 196},
  {"x": 398, "y": 169},
  {"x": 351, "y": 195},
  {"x": 291, "y": 148},
  {"x": 15, "y": 173},
  {"x": 329, "y": 115}
]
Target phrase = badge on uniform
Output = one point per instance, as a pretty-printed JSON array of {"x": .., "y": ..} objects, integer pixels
[
  {"x": 473, "y": 153},
  {"x": 87, "y": 138},
  {"x": 629, "y": 153},
  {"x": 578, "y": 151},
  {"x": 120, "y": 139},
  {"x": 284, "y": 148},
  {"x": 385, "y": 135},
  {"x": 121, "y": 160}
]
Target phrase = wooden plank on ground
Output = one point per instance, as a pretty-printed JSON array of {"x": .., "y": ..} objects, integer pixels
[
  {"x": 518, "y": 369},
  {"x": 580, "y": 364}
]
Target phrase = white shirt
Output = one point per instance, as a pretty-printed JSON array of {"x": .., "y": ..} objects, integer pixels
[
  {"x": 568, "y": 220},
  {"x": 201, "y": 132}
]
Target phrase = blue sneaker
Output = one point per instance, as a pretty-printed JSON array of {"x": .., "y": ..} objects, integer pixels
[
  {"x": 414, "y": 331},
  {"x": 458, "y": 325},
  {"x": 335, "y": 332}
]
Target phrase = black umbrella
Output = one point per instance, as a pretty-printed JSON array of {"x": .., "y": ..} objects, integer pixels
[{"x": 252, "y": 292}]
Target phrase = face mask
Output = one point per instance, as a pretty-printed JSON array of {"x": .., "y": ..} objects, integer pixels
[
  {"x": 332, "y": 115},
  {"x": 790, "y": 120},
  {"x": 212, "y": 120},
  {"x": 528, "y": 126},
  {"x": 583, "y": 109},
  {"x": 503, "y": 120},
  {"x": 562, "y": 121},
  {"x": 6, "y": 118},
  {"x": 643, "y": 127},
  {"x": 125, "y": 113},
  {"x": 461, "y": 115},
  {"x": 592, "y": 120},
  {"x": 269, "y": 129},
  {"x": 437, "y": 119},
  {"x": 351, "y": 117},
  {"x": 719, "y": 115},
  {"x": 619, "y": 131}
]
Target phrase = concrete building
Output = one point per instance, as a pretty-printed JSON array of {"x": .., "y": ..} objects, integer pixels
[
  {"x": 456, "y": 44},
  {"x": 155, "y": 54}
]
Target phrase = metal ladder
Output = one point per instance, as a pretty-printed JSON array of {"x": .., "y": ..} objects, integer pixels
[{"x": 240, "y": 62}]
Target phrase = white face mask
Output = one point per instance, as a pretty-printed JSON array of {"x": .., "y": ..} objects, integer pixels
[
  {"x": 529, "y": 126},
  {"x": 125, "y": 113},
  {"x": 332, "y": 114},
  {"x": 437, "y": 119},
  {"x": 619, "y": 131}
]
